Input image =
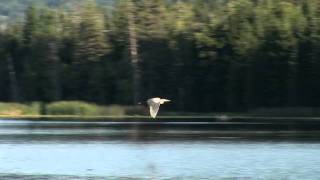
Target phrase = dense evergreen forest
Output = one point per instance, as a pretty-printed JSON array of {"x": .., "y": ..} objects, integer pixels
[{"x": 224, "y": 55}]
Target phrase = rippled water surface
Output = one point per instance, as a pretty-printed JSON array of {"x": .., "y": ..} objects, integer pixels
[{"x": 77, "y": 150}]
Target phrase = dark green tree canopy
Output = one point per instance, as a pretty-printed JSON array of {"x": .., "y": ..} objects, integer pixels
[{"x": 224, "y": 55}]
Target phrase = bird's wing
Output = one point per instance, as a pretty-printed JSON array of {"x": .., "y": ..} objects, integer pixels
[{"x": 154, "y": 108}]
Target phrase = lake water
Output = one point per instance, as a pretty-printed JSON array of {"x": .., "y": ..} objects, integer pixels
[{"x": 97, "y": 150}]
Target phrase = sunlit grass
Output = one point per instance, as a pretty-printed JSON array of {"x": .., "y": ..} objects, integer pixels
[
  {"x": 17, "y": 109},
  {"x": 100, "y": 117},
  {"x": 159, "y": 118},
  {"x": 66, "y": 108}
]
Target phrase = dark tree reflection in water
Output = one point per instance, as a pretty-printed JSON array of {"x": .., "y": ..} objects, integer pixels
[{"x": 99, "y": 150}]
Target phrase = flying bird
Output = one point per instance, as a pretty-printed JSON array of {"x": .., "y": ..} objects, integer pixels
[{"x": 154, "y": 104}]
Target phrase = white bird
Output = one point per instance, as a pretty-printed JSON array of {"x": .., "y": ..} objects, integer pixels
[{"x": 154, "y": 104}]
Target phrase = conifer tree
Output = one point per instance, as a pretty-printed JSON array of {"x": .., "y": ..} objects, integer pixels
[{"x": 91, "y": 43}]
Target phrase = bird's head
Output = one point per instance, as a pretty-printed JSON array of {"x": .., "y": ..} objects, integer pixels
[{"x": 164, "y": 100}]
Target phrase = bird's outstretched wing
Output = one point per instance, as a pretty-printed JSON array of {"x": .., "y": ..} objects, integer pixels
[{"x": 154, "y": 108}]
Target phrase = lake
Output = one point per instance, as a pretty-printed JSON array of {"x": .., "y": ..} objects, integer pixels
[{"x": 110, "y": 150}]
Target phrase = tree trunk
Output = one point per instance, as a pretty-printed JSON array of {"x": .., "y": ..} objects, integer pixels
[
  {"x": 53, "y": 72},
  {"x": 14, "y": 92},
  {"x": 231, "y": 87},
  {"x": 291, "y": 87},
  {"x": 249, "y": 100},
  {"x": 133, "y": 48}
]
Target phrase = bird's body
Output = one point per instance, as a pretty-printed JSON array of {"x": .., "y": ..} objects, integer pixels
[{"x": 154, "y": 104}]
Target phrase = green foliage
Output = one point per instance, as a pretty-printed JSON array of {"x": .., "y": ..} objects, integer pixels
[
  {"x": 113, "y": 110},
  {"x": 226, "y": 55},
  {"x": 72, "y": 108},
  {"x": 13, "y": 10},
  {"x": 68, "y": 108},
  {"x": 83, "y": 108},
  {"x": 91, "y": 41},
  {"x": 14, "y": 109}
]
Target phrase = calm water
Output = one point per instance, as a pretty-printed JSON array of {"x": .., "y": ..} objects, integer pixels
[{"x": 57, "y": 150}]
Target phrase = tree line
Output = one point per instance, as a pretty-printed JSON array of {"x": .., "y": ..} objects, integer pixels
[{"x": 228, "y": 55}]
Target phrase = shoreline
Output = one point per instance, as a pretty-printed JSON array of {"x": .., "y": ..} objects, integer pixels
[
  {"x": 220, "y": 118},
  {"x": 180, "y": 123}
]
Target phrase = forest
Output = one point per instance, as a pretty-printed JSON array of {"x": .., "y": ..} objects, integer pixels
[{"x": 206, "y": 56}]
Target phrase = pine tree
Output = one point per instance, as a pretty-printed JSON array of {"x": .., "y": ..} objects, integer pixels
[
  {"x": 30, "y": 24},
  {"x": 91, "y": 42},
  {"x": 133, "y": 48}
]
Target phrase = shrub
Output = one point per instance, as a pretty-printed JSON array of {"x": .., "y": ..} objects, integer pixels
[
  {"x": 13, "y": 109},
  {"x": 136, "y": 110},
  {"x": 83, "y": 108},
  {"x": 113, "y": 110},
  {"x": 71, "y": 108}
]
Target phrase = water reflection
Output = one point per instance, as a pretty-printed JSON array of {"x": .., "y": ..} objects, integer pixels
[
  {"x": 27, "y": 131},
  {"x": 100, "y": 150}
]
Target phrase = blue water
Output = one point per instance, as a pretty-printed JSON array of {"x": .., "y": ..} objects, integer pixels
[{"x": 26, "y": 152}]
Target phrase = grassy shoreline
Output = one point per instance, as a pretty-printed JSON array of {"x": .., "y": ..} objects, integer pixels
[
  {"x": 67, "y": 108},
  {"x": 142, "y": 118},
  {"x": 80, "y": 117},
  {"x": 79, "y": 110}
]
